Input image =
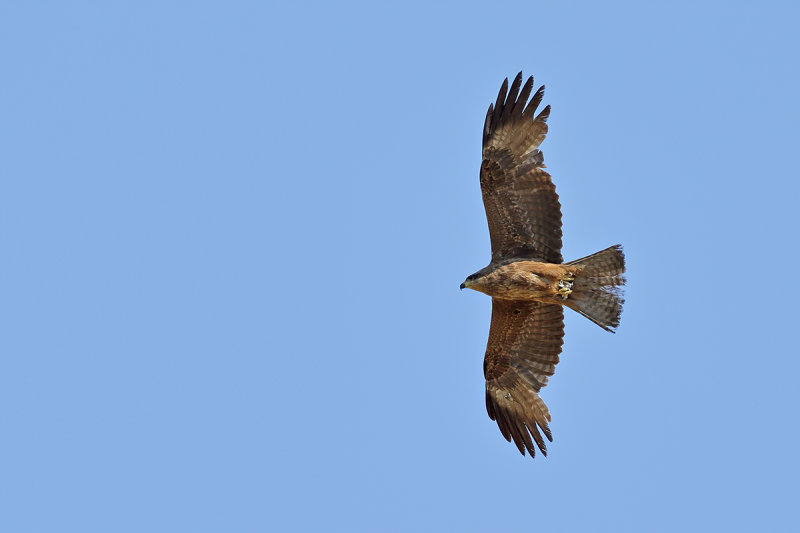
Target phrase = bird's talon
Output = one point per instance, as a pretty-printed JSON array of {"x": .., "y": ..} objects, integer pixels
[{"x": 565, "y": 286}]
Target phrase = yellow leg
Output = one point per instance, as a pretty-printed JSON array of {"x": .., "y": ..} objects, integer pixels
[{"x": 565, "y": 285}]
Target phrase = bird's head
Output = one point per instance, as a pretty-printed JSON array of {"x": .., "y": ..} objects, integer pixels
[{"x": 472, "y": 281}]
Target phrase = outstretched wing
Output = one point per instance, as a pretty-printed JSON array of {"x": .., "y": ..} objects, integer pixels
[
  {"x": 521, "y": 203},
  {"x": 525, "y": 340}
]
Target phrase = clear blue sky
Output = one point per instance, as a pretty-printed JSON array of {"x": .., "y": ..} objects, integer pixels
[{"x": 233, "y": 234}]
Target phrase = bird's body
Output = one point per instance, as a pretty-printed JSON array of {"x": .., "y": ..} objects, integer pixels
[{"x": 527, "y": 278}]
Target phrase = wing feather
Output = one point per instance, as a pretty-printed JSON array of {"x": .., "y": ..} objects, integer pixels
[
  {"x": 534, "y": 103},
  {"x": 519, "y": 107},
  {"x": 501, "y": 97},
  {"x": 511, "y": 99},
  {"x": 522, "y": 206},
  {"x": 525, "y": 341}
]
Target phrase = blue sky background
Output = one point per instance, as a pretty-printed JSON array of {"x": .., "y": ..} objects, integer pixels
[{"x": 233, "y": 234}]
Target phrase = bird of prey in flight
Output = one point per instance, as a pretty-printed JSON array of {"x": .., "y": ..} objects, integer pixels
[{"x": 527, "y": 278}]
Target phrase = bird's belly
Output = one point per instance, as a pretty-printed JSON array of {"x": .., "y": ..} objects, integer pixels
[
  {"x": 521, "y": 293},
  {"x": 520, "y": 286}
]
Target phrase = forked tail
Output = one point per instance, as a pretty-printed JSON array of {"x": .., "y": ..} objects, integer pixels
[{"x": 597, "y": 289}]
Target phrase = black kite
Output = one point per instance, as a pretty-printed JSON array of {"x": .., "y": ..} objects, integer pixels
[{"x": 527, "y": 279}]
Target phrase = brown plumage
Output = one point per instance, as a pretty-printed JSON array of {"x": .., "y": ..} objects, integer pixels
[{"x": 527, "y": 279}]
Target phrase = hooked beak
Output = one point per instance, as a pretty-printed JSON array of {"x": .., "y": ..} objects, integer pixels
[{"x": 462, "y": 286}]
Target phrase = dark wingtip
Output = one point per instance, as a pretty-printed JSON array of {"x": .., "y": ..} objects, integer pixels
[
  {"x": 500, "y": 103},
  {"x": 511, "y": 98},
  {"x": 543, "y": 116},
  {"x": 522, "y": 99}
]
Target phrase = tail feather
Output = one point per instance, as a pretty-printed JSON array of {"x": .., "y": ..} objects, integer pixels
[{"x": 597, "y": 289}]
